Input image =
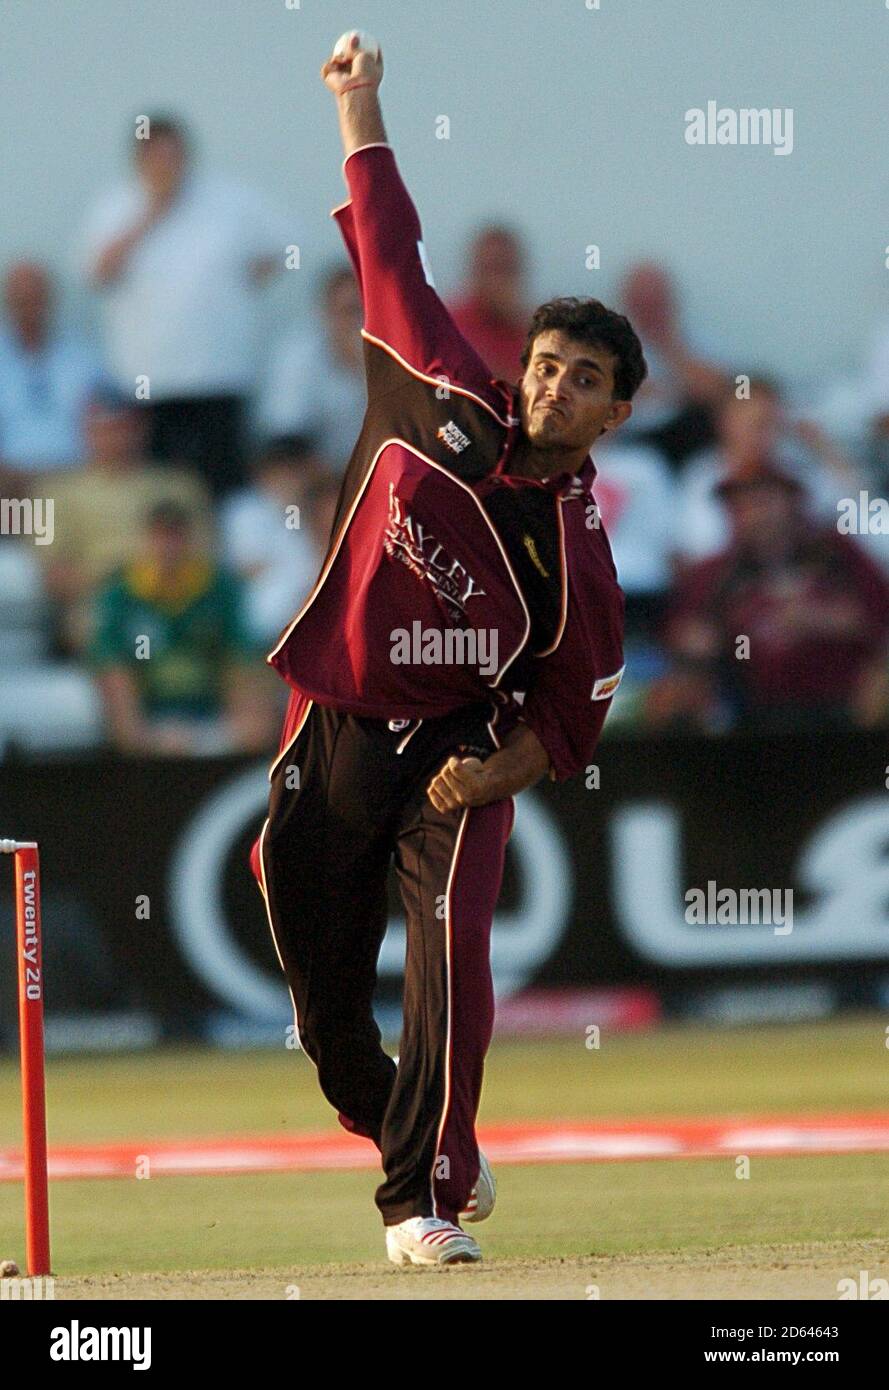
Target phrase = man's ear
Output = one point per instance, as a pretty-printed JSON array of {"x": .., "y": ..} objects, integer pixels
[{"x": 619, "y": 413}]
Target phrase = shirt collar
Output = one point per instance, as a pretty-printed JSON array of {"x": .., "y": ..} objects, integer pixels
[{"x": 567, "y": 483}]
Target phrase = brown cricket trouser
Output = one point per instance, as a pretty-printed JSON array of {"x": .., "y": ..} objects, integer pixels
[{"x": 324, "y": 850}]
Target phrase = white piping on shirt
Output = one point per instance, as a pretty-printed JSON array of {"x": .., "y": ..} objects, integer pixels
[
  {"x": 437, "y": 381},
  {"x": 407, "y": 738}
]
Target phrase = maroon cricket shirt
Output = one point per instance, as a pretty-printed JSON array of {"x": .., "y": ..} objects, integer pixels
[{"x": 432, "y": 534}]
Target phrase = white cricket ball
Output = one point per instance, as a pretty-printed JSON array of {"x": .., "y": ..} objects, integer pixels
[
  {"x": 8, "y": 1269},
  {"x": 343, "y": 48}
]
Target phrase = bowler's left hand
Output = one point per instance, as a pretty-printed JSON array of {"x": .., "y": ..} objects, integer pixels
[{"x": 461, "y": 782}]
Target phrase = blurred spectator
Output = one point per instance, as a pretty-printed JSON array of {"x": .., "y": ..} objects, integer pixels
[
  {"x": 754, "y": 431},
  {"x": 493, "y": 313},
  {"x": 45, "y": 707},
  {"x": 875, "y": 450},
  {"x": 315, "y": 384},
  {"x": 24, "y": 625},
  {"x": 877, "y": 385},
  {"x": 322, "y": 498},
  {"x": 180, "y": 256},
  {"x": 673, "y": 410},
  {"x": 812, "y": 606},
  {"x": 173, "y": 662},
  {"x": 99, "y": 510},
  {"x": 266, "y": 540},
  {"x": 634, "y": 491},
  {"x": 46, "y": 378}
]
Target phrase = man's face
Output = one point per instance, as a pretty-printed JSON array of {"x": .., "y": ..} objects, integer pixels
[
  {"x": 161, "y": 162},
  {"x": 566, "y": 393},
  {"x": 648, "y": 298},
  {"x": 763, "y": 516},
  {"x": 749, "y": 429},
  {"x": 27, "y": 296},
  {"x": 168, "y": 545},
  {"x": 497, "y": 271},
  {"x": 113, "y": 436},
  {"x": 287, "y": 480}
]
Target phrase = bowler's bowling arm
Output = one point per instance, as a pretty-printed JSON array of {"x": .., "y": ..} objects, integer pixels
[
  {"x": 355, "y": 83},
  {"x": 361, "y": 119}
]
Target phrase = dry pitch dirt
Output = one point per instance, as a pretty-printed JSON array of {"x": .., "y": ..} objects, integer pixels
[{"x": 749, "y": 1272}]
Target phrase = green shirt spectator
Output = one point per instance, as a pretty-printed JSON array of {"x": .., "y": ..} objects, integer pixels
[
  {"x": 176, "y": 639},
  {"x": 176, "y": 669}
]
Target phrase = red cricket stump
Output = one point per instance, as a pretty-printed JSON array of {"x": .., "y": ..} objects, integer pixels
[{"x": 30, "y": 979}]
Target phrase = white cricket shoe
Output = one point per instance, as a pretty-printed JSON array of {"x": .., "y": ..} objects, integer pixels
[
  {"x": 427, "y": 1240},
  {"x": 483, "y": 1195}
]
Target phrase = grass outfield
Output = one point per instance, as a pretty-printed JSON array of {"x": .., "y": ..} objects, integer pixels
[{"x": 671, "y": 1228}]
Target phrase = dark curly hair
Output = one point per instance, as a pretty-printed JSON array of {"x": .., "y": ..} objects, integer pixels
[{"x": 589, "y": 321}]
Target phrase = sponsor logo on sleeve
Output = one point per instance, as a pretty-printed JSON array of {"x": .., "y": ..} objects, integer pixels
[
  {"x": 454, "y": 437},
  {"x": 605, "y": 687}
]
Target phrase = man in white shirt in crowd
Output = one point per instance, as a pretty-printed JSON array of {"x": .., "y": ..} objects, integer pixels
[
  {"x": 315, "y": 384},
  {"x": 46, "y": 379},
  {"x": 180, "y": 257}
]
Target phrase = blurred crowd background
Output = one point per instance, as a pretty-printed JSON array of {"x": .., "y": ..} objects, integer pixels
[{"x": 194, "y": 463}]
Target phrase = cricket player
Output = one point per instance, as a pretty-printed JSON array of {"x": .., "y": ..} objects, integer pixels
[{"x": 463, "y": 639}]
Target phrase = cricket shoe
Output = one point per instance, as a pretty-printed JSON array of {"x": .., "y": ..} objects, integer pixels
[
  {"x": 483, "y": 1195},
  {"x": 427, "y": 1240}
]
